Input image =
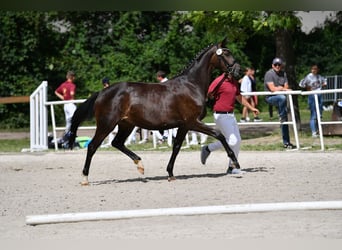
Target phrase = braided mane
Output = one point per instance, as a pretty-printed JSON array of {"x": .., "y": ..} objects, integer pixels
[{"x": 192, "y": 62}]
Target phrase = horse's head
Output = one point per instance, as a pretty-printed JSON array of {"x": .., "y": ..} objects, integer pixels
[{"x": 223, "y": 59}]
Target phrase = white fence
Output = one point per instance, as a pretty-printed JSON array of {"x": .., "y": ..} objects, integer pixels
[
  {"x": 53, "y": 120},
  {"x": 290, "y": 93},
  {"x": 39, "y": 118},
  {"x": 293, "y": 118},
  {"x": 319, "y": 120}
]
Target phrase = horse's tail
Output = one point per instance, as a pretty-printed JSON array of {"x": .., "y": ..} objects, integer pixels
[{"x": 83, "y": 112}]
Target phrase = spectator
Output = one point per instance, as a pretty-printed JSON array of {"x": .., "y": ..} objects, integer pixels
[
  {"x": 276, "y": 80},
  {"x": 105, "y": 82},
  {"x": 248, "y": 84},
  {"x": 161, "y": 76},
  {"x": 314, "y": 81},
  {"x": 66, "y": 91}
]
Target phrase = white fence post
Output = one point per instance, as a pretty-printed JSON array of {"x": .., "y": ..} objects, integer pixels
[
  {"x": 294, "y": 123},
  {"x": 38, "y": 118}
]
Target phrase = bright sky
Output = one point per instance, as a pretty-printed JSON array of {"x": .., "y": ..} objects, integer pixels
[{"x": 313, "y": 19}]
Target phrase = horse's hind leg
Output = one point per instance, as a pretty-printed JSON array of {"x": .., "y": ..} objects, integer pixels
[{"x": 119, "y": 143}]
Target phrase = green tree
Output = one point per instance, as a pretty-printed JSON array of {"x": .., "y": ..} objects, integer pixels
[
  {"x": 132, "y": 46},
  {"x": 321, "y": 46},
  {"x": 26, "y": 42},
  {"x": 283, "y": 25}
]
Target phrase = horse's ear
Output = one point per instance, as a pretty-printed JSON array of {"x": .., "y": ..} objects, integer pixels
[{"x": 224, "y": 42}]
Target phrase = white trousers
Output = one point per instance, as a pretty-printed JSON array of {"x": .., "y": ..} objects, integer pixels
[
  {"x": 228, "y": 126},
  {"x": 69, "y": 109}
]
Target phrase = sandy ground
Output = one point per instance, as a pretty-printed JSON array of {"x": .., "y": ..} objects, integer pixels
[{"x": 48, "y": 183}]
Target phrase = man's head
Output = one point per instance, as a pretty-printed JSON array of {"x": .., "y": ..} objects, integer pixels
[
  {"x": 314, "y": 69},
  {"x": 105, "y": 82},
  {"x": 277, "y": 64},
  {"x": 70, "y": 75},
  {"x": 161, "y": 75}
]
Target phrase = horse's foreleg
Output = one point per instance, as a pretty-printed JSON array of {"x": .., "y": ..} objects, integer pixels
[
  {"x": 181, "y": 133},
  {"x": 119, "y": 143}
]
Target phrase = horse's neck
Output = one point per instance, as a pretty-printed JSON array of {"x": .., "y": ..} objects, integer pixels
[
  {"x": 200, "y": 74},
  {"x": 201, "y": 78}
]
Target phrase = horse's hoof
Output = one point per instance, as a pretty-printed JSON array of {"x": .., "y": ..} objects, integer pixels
[
  {"x": 171, "y": 178},
  {"x": 236, "y": 165},
  {"x": 141, "y": 170},
  {"x": 85, "y": 181},
  {"x": 140, "y": 166}
]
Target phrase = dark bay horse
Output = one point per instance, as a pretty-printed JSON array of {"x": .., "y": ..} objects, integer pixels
[{"x": 178, "y": 102}]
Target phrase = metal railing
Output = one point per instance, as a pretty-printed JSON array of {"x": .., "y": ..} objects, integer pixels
[
  {"x": 290, "y": 99},
  {"x": 53, "y": 120},
  {"x": 319, "y": 120},
  {"x": 39, "y": 104},
  {"x": 333, "y": 82}
]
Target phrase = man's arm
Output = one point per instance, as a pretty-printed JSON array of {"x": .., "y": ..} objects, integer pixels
[
  {"x": 59, "y": 95},
  {"x": 274, "y": 88}
]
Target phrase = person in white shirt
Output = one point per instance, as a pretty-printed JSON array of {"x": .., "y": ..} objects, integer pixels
[
  {"x": 248, "y": 84},
  {"x": 314, "y": 81}
]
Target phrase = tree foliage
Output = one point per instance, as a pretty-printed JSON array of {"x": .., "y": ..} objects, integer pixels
[{"x": 132, "y": 46}]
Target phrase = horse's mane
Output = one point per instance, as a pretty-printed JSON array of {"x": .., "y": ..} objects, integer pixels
[{"x": 196, "y": 58}]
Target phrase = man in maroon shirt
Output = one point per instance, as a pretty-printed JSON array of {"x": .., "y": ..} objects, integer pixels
[
  {"x": 66, "y": 91},
  {"x": 226, "y": 94}
]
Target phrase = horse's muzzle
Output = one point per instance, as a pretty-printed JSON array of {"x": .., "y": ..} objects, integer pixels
[{"x": 237, "y": 71}]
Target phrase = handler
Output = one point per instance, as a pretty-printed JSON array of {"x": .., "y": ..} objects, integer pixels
[{"x": 227, "y": 92}]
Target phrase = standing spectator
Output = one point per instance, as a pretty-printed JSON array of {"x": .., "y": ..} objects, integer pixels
[
  {"x": 105, "y": 82},
  {"x": 161, "y": 76},
  {"x": 276, "y": 80},
  {"x": 66, "y": 91},
  {"x": 248, "y": 84},
  {"x": 227, "y": 94},
  {"x": 314, "y": 81}
]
